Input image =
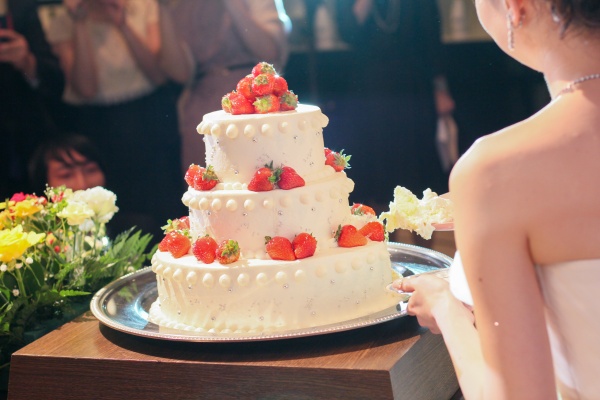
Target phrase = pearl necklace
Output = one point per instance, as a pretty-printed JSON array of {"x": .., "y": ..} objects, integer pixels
[{"x": 571, "y": 86}]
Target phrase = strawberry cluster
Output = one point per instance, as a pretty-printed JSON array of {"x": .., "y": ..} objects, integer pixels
[
  {"x": 350, "y": 236},
  {"x": 281, "y": 248},
  {"x": 207, "y": 250},
  {"x": 263, "y": 91},
  {"x": 268, "y": 178},
  {"x": 178, "y": 242}
]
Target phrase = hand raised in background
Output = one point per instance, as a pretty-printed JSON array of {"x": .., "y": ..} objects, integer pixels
[
  {"x": 14, "y": 50},
  {"x": 114, "y": 10},
  {"x": 78, "y": 9}
]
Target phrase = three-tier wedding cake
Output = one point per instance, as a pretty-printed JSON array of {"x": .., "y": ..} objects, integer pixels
[{"x": 260, "y": 291}]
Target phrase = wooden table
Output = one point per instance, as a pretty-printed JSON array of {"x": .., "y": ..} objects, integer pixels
[{"x": 87, "y": 360}]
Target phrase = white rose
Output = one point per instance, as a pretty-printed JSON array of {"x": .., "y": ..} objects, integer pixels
[
  {"x": 87, "y": 226},
  {"x": 67, "y": 193},
  {"x": 100, "y": 200},
  {"x": 76, "y": 212}
]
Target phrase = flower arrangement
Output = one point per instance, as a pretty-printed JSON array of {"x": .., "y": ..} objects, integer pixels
[{"x": 54, "y": 254}]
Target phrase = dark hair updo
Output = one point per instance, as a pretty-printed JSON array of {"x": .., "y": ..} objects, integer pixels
[{"x": 577, "y": 13}]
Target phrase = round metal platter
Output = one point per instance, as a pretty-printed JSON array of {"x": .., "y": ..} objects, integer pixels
[{"x": 123, "y": 304}]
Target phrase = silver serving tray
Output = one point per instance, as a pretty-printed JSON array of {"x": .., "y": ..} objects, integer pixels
[{"x": 123, "y": 305}]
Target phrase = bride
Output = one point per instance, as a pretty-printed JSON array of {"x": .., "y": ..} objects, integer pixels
[{"x": 527, "y": 222}]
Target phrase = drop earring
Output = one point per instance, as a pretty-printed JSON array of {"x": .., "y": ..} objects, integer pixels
[{"x": 511, "y": 31}]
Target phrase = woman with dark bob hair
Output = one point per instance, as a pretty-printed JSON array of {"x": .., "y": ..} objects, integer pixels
[
  {"x": 520, "y": 313},
  {"x": 70, "y": 160}
]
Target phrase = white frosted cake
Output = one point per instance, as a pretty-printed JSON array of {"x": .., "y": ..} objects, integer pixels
[{"x": 258, "y": 294}]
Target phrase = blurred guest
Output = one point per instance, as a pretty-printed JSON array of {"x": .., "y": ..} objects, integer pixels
[
  {"x": 400, "y": 91},
  {"x": 113, "y": 54},
  {"x": 69, "y": 160},
  {"x": 226, "y": 39},
  {"x": 74, "y": 161},
  {"x": 30, "y": 79}
]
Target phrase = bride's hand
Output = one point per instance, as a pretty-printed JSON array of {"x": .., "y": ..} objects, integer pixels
[{"x": 430, "y": 295}]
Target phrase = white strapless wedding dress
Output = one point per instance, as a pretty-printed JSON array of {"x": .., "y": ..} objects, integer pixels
[{"x": 572, "y": 296}]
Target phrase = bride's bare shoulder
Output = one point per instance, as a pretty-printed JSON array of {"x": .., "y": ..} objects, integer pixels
[{"x": 511, "y": 152}]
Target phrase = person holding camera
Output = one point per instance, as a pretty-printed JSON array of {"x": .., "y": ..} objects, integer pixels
[{"x": 31, "y": 82}]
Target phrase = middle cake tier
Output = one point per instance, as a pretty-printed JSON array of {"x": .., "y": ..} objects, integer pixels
[{"x": 248, "y": 217}]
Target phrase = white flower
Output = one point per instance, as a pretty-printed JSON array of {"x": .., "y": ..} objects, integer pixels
[
  {"x": 3, "y": 267},
  {"x": 87, "y": 226},
  {"x": 15, "y": 292},
  {"x": 29, "y": 260},
  {"x": 76, "y": 212},
  {"x": 100, "y": 200},
  {"x": 67, "y": 193},
  {"x": 94, "y": 243},
  {"x": 18, "y": 265},
  {"x": 410, "y": 213}
]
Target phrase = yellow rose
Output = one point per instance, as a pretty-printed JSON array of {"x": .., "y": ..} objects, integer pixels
[
  {"x": 76, "y": 212},
  {"x": 14, "y": 242},
  {"x": 26, "y": 207},
  {"x": 5, "y": 220}
]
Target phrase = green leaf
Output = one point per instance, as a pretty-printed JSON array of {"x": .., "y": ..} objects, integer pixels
[{"x": 72, "y": 293}]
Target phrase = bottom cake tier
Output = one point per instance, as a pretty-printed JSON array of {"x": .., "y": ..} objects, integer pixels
[{"x": 253, "y": 296}]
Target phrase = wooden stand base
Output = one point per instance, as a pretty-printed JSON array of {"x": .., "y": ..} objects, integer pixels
[{"x": 87, "y": 360}]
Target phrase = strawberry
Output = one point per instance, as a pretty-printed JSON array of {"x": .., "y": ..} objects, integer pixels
[
  {"x": 263, "y": 84},
  {"x": 348, "y": 236},
  {"x": 179, "y": 244},
  {"x": 228, "y": 251},
  {"x": 280, "y": 85},
  {"x": 201, "y": 178},
  {"x": 181, "y": 224},
  {"x": 263, "y": 68},
  {"x": 236, "y": 104},
  {"x": 338, "y": 161},
  {"x": 263, "y": 180},
  {"x": 374, "y": 231},
  {"x": 191, "y": 173},
  {"x": 266, "y": 104},
  {"x": 226, "y": 102},
  {"x": 361, "y": 209},
  {"x": 304, "y": 245},
  {"x": 279, "y": 248},
  {"x": 164, "y": 243},
  {"x": 328, "y": 151},
  {"x": 244, "y": 87},
  {"x": 289, "y": 178},
  {"x": 205, "y": 248},
  {"x": 288, "y": 101}
]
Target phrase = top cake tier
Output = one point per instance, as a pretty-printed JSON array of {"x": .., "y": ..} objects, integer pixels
[{"x": 238, "y": 145}]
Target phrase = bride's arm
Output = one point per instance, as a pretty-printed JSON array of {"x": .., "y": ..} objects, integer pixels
[
  {"x": 491, "y": 209},
  {"x": 508, "y": 355}
]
